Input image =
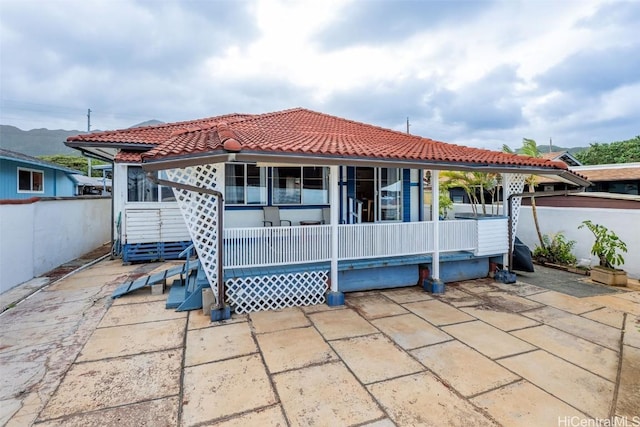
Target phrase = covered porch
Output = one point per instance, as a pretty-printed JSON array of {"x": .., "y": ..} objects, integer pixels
[{"x": 282, "y": 266}]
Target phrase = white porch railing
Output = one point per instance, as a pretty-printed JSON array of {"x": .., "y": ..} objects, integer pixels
[
  {"x": 458, "y": 235},
  {"x": 384, "y": 240},
  {"x": 259, "y": 247}
]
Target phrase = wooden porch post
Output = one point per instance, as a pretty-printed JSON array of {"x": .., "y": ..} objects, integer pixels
[
  {"x": 435, "y": 216},
  {"x": 334, "y": 194}
]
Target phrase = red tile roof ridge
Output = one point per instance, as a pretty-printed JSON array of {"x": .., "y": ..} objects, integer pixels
[
  {"x": 192, "y": 128},
  {"x": 331, "y": 116}
]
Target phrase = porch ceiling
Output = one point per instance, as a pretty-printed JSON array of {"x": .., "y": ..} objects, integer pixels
[{"x": 281, "y": 159}]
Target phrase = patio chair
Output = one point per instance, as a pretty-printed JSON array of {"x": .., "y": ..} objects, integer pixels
[{"x": 272, "y": 217}]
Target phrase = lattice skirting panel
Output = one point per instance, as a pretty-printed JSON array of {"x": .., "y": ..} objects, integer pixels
[{"x": 273, "y": 292}]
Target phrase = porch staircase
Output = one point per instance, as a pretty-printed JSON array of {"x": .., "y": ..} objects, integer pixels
[
  {"x": 156, "y": 278},
  {"x": 185, "y": 293}
]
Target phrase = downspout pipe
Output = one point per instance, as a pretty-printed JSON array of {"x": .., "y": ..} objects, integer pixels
[{"x": 220, "y": 204}]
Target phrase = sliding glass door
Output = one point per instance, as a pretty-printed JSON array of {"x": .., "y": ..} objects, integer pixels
[{"x": 380, "y": 191}]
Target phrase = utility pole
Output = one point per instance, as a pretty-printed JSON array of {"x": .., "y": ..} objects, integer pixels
[
  {"x": 550, "y": 145},
  {"x": 408, "y": 125},
  {"x": 89, "y": 171}
]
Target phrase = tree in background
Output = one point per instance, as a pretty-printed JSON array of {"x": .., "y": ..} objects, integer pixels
[
  {"x": 530, "y": 148},
  {"x": 616, "y": 152},
  {"x": 74, "y": 162},
  {"x": 474, "y": 185}
]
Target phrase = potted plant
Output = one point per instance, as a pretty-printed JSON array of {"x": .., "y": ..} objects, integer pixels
[{"x": 608, "y": 248}]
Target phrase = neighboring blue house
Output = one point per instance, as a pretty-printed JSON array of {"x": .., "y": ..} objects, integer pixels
[{"x": 23, "y": 177}]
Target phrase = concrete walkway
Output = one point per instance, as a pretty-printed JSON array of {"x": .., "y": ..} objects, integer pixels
[{"x": 482, "y": 354}]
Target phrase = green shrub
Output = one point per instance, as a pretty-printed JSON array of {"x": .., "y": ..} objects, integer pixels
[
  {"x": 608, "y": 247},
  {"x": 557, "y": 249}
]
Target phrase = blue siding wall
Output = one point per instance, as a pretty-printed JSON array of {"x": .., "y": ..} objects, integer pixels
[
  {"x": 65, "y": 186},
  {"x": 8, "y": 180},
  {"x": 56, "y": 183}
]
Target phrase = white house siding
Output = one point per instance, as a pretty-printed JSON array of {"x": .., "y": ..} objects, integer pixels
[
  {"x": 144, "y": 222},
  {"x": 40, "y": 236},
  {"x": 493, "y": 236},
  {"x": 153, "y": 222}
]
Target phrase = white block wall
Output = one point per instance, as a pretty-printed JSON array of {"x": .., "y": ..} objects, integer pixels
[{"x": 38, "y": 237}]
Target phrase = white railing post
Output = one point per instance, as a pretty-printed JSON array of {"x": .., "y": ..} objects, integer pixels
[
  {"x": 435, "y": 214},
  {"x": 334, "y": 203}
]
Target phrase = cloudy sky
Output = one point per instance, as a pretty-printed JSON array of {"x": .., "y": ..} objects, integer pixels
[{"x": 479, "y": 73}]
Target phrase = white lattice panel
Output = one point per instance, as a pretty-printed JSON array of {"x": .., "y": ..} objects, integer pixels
[
  {"x": 514, "y": 184},
  {"x": 273, "y": 292},
  {"x": 200, "y": 213}
]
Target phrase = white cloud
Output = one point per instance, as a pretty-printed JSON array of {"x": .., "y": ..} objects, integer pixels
[{"x": 481, "y": 73}]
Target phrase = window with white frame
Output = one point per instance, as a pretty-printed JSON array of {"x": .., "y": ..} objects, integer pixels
[
  {"x": 140, "y": 188},
  {"x": 245, "y": 184},
  {"x": 30, "y": 181},
  {"x": 300, "y": 185}
]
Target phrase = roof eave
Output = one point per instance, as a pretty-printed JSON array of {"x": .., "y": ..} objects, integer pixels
[
  {"x": 336, "y": 160},
  {"x": 101, "y": 148},
  {"x": 174, "y": 162},
  {"x": 103, "y": 154},
  {"x": 567, "y": 177}
]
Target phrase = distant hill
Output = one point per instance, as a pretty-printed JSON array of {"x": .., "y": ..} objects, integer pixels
[
  {"x": 44, "y": 142},
  {"x": 36, "y": 142},
  {"x": 148, "y": 123},
  {"x": 554, "y": 148}
]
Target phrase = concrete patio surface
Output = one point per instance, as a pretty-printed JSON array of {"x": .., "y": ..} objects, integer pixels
[{"x": 484, "y": 353}]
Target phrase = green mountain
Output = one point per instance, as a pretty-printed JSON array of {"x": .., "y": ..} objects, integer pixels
[
  {"x": 44, "y": 142},
  {"x": 36, "y": 142},
  {"x": 555, "y": 148}
]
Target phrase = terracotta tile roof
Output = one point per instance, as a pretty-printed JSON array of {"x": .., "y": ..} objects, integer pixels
[
  {"x": 298, "y": 132},
  {"x": 562, "y": 156},
  {"x": 552, "y": 155},
  {"x": 596, "y": 173},
  {"x": 128, "y": 157},
  {"x": 631, "y": 172},
  {"x": 148, "y": 135},
  {"x": 304, "y": 132}
]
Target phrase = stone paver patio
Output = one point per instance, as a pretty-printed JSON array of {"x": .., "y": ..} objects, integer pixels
[{"x": 482, "y": 354}]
